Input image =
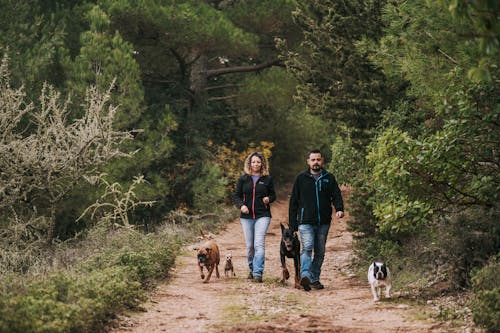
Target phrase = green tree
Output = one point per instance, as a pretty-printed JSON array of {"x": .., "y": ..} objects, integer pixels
[
  {"x": 435, "y": 164},
  {"x": 432, "y": 169},
  {"x": 32, "y": 35},
  {"x": 336, "y": 78},
  {"x": 103, "y": 58},
  {"x": 482, "y": 16}
]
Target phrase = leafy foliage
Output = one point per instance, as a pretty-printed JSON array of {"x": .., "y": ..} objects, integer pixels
[
  {"x": 105, "y": 58},
  {"x": 96, "y": 284},
  {"x": 209, "y": 188},
  {"x": 431, "y": 171},
  {"x": 336, "y": 79},
  {"x": 486, "y": 306}
]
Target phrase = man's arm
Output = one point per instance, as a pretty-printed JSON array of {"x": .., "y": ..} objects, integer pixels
[{"x": 338, "y": 203}]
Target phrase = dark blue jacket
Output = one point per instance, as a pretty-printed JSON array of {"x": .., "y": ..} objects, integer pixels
[
  {"x": 251, "y": 196},
  {"x": 311, "y": 200}
]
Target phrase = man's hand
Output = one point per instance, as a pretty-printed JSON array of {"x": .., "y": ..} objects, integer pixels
[
  {"x": 339, "y": 214},
  {"x": 265, "y": 200},
  {"x": 244, "y": 209}
]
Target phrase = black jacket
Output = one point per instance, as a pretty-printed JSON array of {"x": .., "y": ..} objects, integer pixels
[
  {"x": 311, "y": 200},
  {"x": 247, "y": 194}
]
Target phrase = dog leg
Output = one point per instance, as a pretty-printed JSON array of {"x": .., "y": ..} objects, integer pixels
[
  {"x": 374, "y": 293},
  {"x": 388, "y": 291},
  {"x": 210, "y": 270},
  {"x": 296, "y": 264},
  {"x": 285, "y": 275},
  {"x": 201, "y": 273},
  {"x": 217, "y": 270}
]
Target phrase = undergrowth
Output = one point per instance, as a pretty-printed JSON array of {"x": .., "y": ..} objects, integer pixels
[{"x": 81, "y": 285}]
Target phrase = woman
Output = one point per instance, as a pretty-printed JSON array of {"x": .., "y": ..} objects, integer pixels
[{"x": 254, "y": 193}]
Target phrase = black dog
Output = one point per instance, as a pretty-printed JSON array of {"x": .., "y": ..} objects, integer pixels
[{"x": 290, "y": 248}]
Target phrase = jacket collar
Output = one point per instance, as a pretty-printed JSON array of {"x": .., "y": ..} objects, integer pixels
[{"x": 309, "y": 174}]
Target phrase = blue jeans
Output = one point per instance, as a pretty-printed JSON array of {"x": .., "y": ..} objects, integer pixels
[
  {"x": 255, "y": 238},
  {"x": 312, "y": 237}
]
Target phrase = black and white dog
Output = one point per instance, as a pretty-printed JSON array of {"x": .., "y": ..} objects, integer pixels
[{"x": 378, "y": 277}]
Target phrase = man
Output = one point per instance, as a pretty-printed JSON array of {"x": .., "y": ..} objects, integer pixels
[{"x": 310, "y": 212}]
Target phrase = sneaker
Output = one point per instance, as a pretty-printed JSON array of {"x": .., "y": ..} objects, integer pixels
[
  {"x": 250, "y": 276},
  {"x": 258, "y": 279},
  {"x": 316, "y": 285},
  {"x": 305, "y": 282}
]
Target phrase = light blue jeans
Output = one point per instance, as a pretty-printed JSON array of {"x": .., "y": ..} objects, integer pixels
[
  {"x": 313, "y": 237},
  {"x": 255, "y": 238}
]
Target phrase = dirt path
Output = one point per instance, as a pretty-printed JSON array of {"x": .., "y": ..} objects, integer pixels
[{"x": 186, "y": 305}]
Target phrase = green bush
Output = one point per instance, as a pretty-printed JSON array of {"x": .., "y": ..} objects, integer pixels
[
  {"x": 100, "y": 276},
  {"x": 466, "y": 240},
  {"x": 346, "y": 160},
  {"x": 68, "y": 302},
  {"x": 77, "y": 286},
  {"x": 486, "y": 303},
  {"x": 209, "y": 189},
  {"x": 145, "y": 256}
]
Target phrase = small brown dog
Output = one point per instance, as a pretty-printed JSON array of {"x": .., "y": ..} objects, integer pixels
[
  {"x": 228, "y": 267},
  {"x": 209, "y": 257}
]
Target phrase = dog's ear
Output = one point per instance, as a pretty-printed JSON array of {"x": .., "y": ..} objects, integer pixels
[
  {"x": 208, "y": 249},
  {"x": 282, "y": 227}
]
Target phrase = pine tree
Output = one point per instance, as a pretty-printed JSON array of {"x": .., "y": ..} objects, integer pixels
[{"x": 337, "y": 79}]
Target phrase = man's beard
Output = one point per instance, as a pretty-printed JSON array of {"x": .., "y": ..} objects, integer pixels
[{"x": 316, "y": 167}]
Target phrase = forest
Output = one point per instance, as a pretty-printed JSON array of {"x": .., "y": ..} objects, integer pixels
[{"x": 125, "y": 124}]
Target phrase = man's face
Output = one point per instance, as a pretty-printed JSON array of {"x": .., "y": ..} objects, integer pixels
[{"x": 315, "y": 162}]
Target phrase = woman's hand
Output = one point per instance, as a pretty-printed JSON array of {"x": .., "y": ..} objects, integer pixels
[
  {"x": 244, "y": 209},
  {"x": 265, "y": 200}
]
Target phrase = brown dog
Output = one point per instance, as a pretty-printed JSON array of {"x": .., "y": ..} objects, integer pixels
[
  {"x": 209, "y": 257},
  {"x": 228, "y": 267}
]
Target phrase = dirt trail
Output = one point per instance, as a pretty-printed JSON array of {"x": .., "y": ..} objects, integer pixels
[{"x": 185, "y": 304}]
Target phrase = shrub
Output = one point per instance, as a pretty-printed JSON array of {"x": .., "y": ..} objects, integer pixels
[
  {"x": 369, "y": 249},
  {"x": 68, "y": 301},
  {"x": 346, "y": 160},
  {"x": 486, "y": 304},
  {"x": 145, "y": 256},
  {"x": 209, "y": 189},
  {"x": 86, "y": 284},
  {"x": 466, "y": 240}
]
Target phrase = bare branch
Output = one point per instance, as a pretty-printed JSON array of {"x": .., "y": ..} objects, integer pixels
[{"x": 240, "y": 69}]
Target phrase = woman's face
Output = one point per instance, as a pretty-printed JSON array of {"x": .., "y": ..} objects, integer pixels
[{"x": 255, "y": 164}]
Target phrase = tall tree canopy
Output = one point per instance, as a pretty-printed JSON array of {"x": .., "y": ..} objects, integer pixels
[{"x": 336, "y": 78}]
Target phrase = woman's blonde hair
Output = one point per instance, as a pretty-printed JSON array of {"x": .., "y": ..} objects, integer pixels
[{"x": 264, "y": 171}]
